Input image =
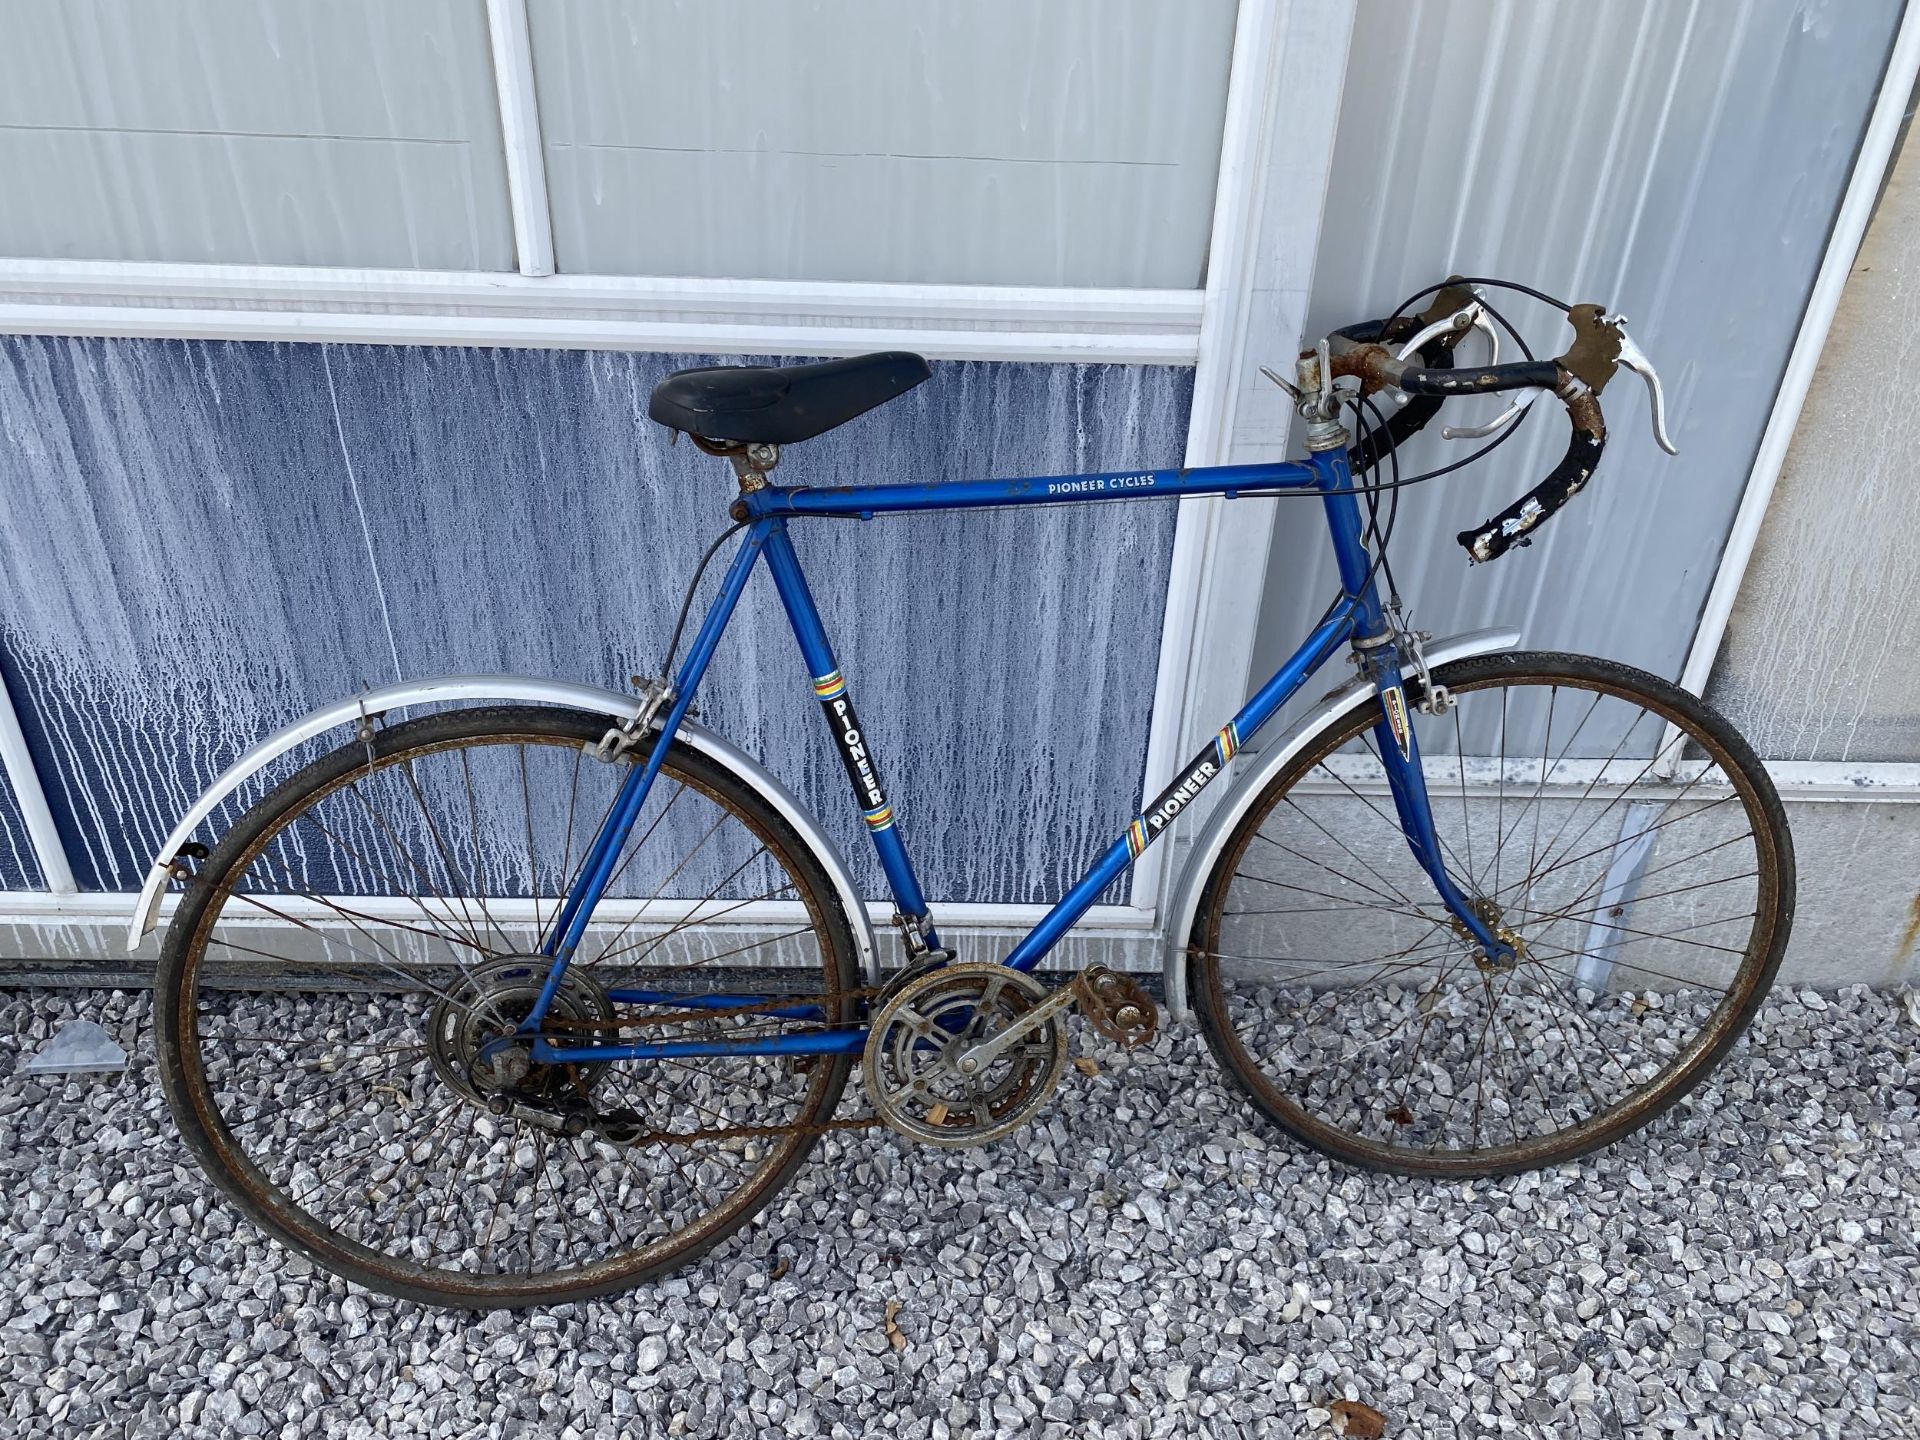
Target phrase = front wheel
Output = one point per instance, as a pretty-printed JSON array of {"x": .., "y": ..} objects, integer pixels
[{"x": 1616, "y": 830}]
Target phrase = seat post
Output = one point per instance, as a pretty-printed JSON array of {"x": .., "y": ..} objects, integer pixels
[{"x": 751, "y": 464}]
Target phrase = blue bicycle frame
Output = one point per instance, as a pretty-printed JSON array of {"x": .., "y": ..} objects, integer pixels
[{"x": 1356, "y": 618}]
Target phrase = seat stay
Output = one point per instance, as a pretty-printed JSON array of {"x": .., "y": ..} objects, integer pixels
[{"x": 597, "y": 867}]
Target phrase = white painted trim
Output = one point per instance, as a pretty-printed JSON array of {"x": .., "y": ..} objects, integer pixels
[
  {"x": 1873, "y": 782},
  {"x": 1229, "y": 280},
  {"x": 1278, "y": 136},
  {"x": 43, "y": 907},
  {"x": 323, "y": 287},
  {"x": 590, "y": 334},
  {"x": 1843, "y": 247},
  {"x": 449, "y": 307},
  {"x": 44, "y": 837},
  {"x": 520, "y": 133}
]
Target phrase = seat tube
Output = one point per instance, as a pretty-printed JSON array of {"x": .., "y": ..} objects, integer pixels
[{"x": 863, "y": 770}]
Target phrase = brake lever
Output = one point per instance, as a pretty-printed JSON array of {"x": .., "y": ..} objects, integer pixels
[
  {"x": 1472, "y": 316},
  {"x": 1635, "y": 359},
  {"x": 1504, "y": 418}
]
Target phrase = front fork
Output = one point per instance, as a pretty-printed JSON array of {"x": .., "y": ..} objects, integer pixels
[
  {"x": 1400, "y": 757},
  {"x": 1376, "y": 646}
]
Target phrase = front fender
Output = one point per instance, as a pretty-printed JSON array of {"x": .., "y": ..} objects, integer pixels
[
  {"x": 523, "y": 688},
  {"x": 1268, "y": 762}
]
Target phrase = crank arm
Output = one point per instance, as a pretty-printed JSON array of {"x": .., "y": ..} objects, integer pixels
[
  {"x": 1115, "y": 1005},
  {"x": 976, "y": 1058}
]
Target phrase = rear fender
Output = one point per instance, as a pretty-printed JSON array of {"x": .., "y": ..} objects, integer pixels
[{"x": 413, "y": 694}]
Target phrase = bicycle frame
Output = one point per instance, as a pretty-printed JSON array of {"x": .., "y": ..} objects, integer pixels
[{"x": 1356, "y": 617}]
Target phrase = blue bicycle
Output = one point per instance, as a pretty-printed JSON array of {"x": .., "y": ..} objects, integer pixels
[{"x": 545, "y": 991}]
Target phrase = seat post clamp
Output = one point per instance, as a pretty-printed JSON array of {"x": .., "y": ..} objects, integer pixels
[{"x": 751, "y": 464}]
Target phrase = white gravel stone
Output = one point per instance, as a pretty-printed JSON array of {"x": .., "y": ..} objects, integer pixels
[{"x": 1147, "y": 1259}]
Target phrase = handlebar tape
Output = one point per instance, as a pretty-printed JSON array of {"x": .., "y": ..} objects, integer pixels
[
  {"x": 1361, "y": 350},
  {"x": 1513, "y": 524},
  {"x": 1587, "y": 440}
]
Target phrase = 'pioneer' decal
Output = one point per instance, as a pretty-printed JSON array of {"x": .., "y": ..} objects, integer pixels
[
  {"x": 1150, "y": 823},
  {"x": 832, "y": 690}
]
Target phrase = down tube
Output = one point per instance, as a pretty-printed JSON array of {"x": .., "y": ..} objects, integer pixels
[{"x": 1195, "y": 776}]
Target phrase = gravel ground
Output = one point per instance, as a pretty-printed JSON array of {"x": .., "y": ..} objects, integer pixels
[{"x": 1147, "y": 1260}]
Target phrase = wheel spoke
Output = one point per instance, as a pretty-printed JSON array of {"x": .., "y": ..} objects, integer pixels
[
  {"x": 354, "y": 1105},
  {"x": 1429, "y": 1056}
]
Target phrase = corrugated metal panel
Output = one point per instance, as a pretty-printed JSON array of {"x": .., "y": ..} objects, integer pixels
[
  {"x": 204, "y": 539},
  {"x": 277, "y": 132},
  {"x": 19, "y": 870},
  {"x": 1818, "y": 662},
  {"x": 1682, "y": 162},
  {"x": 995, "y": 142}
]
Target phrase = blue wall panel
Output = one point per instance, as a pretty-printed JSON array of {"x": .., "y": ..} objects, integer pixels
[
  {"x": 204, "y": 539},
  {"x": 18, "y": 868}
]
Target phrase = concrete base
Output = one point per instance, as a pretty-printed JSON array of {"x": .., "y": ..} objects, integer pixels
[{"x": 1858, "y": 919}]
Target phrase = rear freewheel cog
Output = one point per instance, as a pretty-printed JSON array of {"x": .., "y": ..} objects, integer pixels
[
  {"x": 489, "y": 1004},
  {"x": 916, "y": 1037}
]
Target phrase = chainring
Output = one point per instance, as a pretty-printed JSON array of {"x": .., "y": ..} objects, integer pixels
[{"x": 917, "y": 1034}]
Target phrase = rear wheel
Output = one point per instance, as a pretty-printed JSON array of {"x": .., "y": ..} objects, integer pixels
[
  {"x": 332, "y": 989},
  {"x": 1615, "y": 829}
]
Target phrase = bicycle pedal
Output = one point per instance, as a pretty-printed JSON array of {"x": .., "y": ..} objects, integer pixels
[{"x": 1117, "y": 1006}]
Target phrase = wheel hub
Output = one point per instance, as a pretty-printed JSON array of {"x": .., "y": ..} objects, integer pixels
[
  {"x": 471, "y": 1030},
  {"x": 1494, "y": 918}
]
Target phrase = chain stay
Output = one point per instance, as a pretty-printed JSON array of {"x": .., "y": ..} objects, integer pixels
[
  {"x": 619, "y": 1127},
  {"x": 1116, "y": 1005}
]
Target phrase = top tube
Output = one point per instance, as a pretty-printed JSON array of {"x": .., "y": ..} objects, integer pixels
[{"x": 865, "y": 500}]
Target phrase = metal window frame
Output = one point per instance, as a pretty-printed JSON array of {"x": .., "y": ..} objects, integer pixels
[
  {"x": 512, "y": 44},
  {"x": 536, "y": 307}
]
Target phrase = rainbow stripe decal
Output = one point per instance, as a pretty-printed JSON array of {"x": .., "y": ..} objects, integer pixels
[
  {"x": 1137, "y": 836},
  {"x": 881, "y": 818},
  {"x": 829, "y": 686},
  {"x": 1227, "y": 743}
]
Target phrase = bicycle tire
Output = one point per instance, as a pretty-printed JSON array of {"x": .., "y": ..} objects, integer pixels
[
  {"x": 209, "y": 1135},
  {"x": 1716, "y": 741}
]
